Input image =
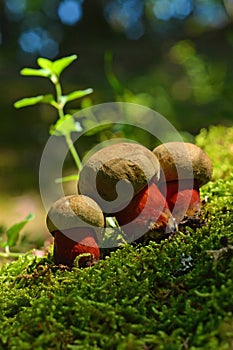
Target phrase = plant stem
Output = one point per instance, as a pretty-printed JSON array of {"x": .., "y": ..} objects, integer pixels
[
  {"x": 59, "y": 95},
  {"x": 73, "y": 152},
  {"x": 10, "y": 255},
  {"x": 68, "y": 139}
]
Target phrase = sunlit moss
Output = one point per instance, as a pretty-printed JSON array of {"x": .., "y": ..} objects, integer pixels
[{"x": 218, "y": 144}]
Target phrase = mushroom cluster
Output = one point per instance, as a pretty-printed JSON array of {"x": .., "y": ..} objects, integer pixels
[
  {"x": 122, "y": 178},
  {"x": 146, "y": 191}
]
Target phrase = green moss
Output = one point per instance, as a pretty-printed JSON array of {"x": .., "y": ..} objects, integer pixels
[
  {"x": 173, "y": 295},
  {"x": 217, "y": 142}
]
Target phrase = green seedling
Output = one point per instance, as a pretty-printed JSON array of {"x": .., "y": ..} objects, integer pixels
[
  {"x": 12, "y": 238},
  {"x": 65, "y": 123}
]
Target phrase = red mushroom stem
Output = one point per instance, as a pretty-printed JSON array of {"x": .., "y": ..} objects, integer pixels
[
  {"x": 66, "y": 249},
  {"x": 182, "y": 194},
  {"x": 152, "y": 206}
]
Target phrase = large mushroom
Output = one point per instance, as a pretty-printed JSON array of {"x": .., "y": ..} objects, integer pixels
[
  {"x": 76, "y": 222},
  {"x": 185, "y": 167},
  {"x": 121, "y": 179}
]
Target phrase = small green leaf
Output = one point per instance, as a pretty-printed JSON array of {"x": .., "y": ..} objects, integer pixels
[
  {"x": 78, "y": 94},
  {"x": 59, "y": 65},
  {"x": 49, "y": 98},
  {"x": 65, "y": 125},
  {"x": 13, "y": 232},
  {"x": 86, "y": 102},
  {"x": 45, "y": 63},
  {"x": 67, "y": 179},
  {"x": 29, "y": 101},
  {"x": 35, "y": 72}
]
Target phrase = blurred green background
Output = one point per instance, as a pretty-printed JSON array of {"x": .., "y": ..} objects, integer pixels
[{"x": 174, "y": 56}]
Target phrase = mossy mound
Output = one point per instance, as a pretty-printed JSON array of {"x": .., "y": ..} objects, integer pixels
[
  {"x": 176, "y": 294},
  {"x": 217, "y": 142}
]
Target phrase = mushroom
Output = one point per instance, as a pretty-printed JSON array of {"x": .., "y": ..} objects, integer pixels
[
  {"x": 184, "y": 169},
  {"x": 76, "y": 223},
  {"x": 121, "y": 178}
]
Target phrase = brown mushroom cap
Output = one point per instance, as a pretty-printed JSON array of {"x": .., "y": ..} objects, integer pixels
[
  {"x": 127, "y": 162},
  {"x": 184, "y": 160},
  {"x": 75, "y": 211}
]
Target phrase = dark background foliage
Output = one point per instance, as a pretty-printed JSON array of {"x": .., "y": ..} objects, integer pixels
[{"x": 173, "y": 56}]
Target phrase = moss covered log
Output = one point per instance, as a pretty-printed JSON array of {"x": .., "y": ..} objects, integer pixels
[{"x": 176, "y": 294}]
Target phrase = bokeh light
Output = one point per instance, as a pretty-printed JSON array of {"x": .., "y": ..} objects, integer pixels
[
  {"x": 126, "y": 16},
  {"x": 162, "y": 10},
  {"x": 182, "y": 8},
  {"x": 167, "y": 9},
  {"x": 38, "y": 41},
  {"x": 211, "y": 14},
  {"x": 70, "y": 12},
  {"x": 15, "y": 8}
]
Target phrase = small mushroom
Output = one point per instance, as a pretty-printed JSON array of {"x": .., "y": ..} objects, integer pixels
[
  {"x": 120, "y": 178},
  {"x": 76, "y": 223},
  {"x": 184, "y": 169}
]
